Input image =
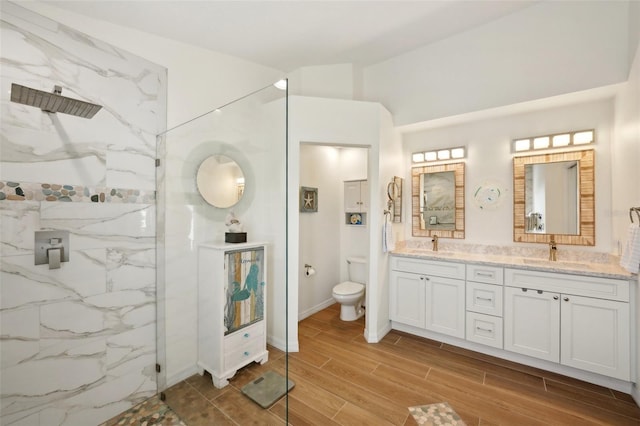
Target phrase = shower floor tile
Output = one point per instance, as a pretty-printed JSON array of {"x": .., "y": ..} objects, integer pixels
[{"x": 152, "y": 412}]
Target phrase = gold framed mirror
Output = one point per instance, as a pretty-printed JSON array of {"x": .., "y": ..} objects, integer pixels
[
  {"x": 554, "y": 195},
  {"x": 437, "y": 201}
]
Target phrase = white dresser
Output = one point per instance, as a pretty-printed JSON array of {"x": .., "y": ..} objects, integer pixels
[{"x": 231, "y": 308}]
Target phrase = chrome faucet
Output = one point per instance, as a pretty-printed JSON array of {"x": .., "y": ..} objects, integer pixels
[
  {"x": 435, "y": 243},
  {"x": 553, "y": 250}
]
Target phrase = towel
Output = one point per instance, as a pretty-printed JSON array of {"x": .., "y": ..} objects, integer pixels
[
  {"x": 630, "y": 259},
  {"x": 387, "y": 237}
]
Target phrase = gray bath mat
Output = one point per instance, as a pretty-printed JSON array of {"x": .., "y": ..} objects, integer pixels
[{"x": 267, "y": 389}]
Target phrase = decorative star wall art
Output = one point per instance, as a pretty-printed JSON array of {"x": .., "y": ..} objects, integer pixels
[{"x": 308, "y": 199}]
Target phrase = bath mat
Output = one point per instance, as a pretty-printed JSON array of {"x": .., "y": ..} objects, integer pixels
[
  {"x": 436, "y": 414},
  {"x": 267, "y": 389}
]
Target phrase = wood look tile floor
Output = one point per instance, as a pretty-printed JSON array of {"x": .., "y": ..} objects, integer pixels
[{"x": 342, "y": 380}]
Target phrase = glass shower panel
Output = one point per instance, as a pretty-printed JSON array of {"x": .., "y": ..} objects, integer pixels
[{"x": 222, "y": 177}]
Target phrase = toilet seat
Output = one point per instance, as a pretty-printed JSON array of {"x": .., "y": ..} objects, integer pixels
[{"x": 348, "y": 287}]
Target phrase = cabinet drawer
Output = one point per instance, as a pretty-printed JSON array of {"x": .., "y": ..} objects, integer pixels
[
  {"x": 484, "y": 329},
  {"x": 485, "y": 274},
  {"x": 428, "y": 267},
  {"x": 243, "y": 354},
  {"x": 602, "y": 288},
  {"x": 484, "y": 298},
  {"x": 243, "y": 336}
]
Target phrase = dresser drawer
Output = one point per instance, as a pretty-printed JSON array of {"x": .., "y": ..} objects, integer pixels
[
  {"x": 428, "y": 267},
  {"x": 242, "y": 354},
  {"x": 484, "y": 329},
  {"x": 241, "y": 337},
  {"x": 599, "y": 287},
  {"x": 484, "y": 298},
  {"x": 485, "y": 274}
]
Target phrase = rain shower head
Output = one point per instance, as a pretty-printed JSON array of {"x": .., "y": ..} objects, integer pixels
[{"x": 52, "y": 102}]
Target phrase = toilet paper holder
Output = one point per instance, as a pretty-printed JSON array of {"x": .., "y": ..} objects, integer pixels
[
  {"x": 309, "y": 270},
  {"x": 51, "y": 247}
]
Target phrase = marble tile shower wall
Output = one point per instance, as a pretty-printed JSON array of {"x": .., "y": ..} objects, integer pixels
[{"x": 77, "y": 344}]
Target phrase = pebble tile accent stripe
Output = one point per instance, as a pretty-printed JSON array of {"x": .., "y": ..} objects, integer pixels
[{"x": 15, "y": 191}]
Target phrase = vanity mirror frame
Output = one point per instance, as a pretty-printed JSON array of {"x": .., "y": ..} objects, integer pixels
[
  {"x": 416, "y": 174},
  {"x": 586, "y": 173}
]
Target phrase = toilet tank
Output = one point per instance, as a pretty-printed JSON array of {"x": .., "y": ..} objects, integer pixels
[{"x": 357, "y": 267}]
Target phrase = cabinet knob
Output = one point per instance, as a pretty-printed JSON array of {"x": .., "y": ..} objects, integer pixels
[
  {"x": 566, "y": 299},
  {"x": 555, "y": 297},
  {"x": 245, "y": 353},
  {"x": 524, "y": 289},
  {"x": 539, "y": 291},
  {"x": 245, "y": 335}
]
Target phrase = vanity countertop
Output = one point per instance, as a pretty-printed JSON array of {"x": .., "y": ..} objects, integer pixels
[{"x": 593, "y": 269}]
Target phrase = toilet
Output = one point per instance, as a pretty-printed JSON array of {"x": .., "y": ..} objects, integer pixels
[{"x": 350, "y": 294}]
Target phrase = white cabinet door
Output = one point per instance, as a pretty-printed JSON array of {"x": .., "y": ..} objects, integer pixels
[
  {"x": 364, "y": 195},
  {"x": 532, "y": 323},
  {"x": 445, "y": 305},
  {"x": 356, "y": 196},
  {"x": 595, "y": 335},
  {"x": 406, "y": 298}
]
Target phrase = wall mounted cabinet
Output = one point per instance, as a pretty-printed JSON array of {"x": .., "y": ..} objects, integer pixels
[{"x": 356, "y": 202}]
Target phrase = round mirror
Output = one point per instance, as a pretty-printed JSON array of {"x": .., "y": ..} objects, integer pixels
[{"x": 220, "y": 181}]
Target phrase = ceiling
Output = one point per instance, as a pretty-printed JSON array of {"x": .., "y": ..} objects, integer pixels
[{"x": 287, "y": 35}]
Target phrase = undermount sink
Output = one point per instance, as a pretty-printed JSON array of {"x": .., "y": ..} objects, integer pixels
[{"x": 550, "y": 263}]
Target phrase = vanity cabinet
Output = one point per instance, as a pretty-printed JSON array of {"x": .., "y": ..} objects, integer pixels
[
  {"x": 356, "y": 196},
  {"x": 428, "y": 294},
  {"x": 231, "y": 308},
  {"x": 484, "y": 296},
  {"x": 578, "y": 321}
]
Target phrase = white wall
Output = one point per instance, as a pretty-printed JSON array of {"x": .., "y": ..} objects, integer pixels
[
  {"x": 319, "y": 233},
  {"x": 489, "y": 159},
  {"x": 544, "y": 50},
  {"x": 326, "y": 81},
  {"x": 626, "y": 175},
  {"x": 391, "y": 163}
]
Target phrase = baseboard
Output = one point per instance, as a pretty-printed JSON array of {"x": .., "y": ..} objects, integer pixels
[
  {"x": 307, "y": 313},
  {"x": 378, "y": 335},
  {"x": 281, "y": 344},
  {"x": 180, "y": 376}
]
